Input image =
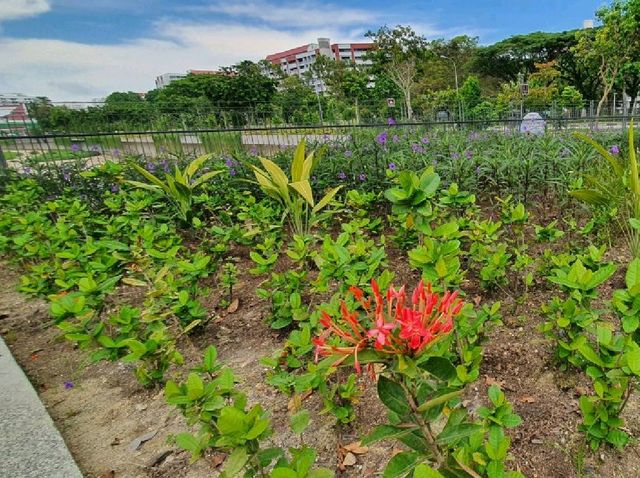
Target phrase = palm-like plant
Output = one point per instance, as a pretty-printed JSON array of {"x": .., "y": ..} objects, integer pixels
[
  {"x": 296, "y": 195},
  {"x": 621, "y": 190},
  {"x": 178, "y": 186}
]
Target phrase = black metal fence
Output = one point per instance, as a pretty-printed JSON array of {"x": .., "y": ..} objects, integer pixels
[{"x": 22, "y": 150}]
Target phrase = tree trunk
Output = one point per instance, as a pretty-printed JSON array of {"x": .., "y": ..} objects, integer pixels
[{"x": 407, "y": 100}]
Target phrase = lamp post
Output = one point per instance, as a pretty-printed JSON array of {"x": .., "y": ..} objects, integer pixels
[{"x": 455, "y": 73}]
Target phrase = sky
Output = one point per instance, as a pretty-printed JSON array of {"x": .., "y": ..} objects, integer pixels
[{"x": 78, "y": 50}]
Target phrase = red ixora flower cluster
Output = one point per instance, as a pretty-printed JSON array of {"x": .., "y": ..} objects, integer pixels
[{"x": 400, "y": 327}]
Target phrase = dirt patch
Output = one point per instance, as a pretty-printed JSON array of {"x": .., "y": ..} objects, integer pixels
[{"x": 100, "y": 409}]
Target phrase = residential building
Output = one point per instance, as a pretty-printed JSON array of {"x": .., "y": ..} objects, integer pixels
[
  {"x": 14, "y": 119},
  {"x": 9, "y": 99},
  {"x": 166, "y": 78},
  {"x": 298, "y": 61}
]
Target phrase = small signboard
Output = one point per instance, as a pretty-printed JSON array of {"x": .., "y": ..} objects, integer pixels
[
  {"x": 532, "y": 123},
  {"x": 391, "y": 102}
]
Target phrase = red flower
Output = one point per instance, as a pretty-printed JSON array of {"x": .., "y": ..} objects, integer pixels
[{"x": 400, "y": 329}]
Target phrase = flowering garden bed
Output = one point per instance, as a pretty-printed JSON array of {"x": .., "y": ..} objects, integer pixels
[{"x": 251, "y": 318}]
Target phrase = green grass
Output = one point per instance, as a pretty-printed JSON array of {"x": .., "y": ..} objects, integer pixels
[
  {"x": 61, "y": 156},
  {"x": 221, "y": 142},
  {"x": 10, "y": 155}
]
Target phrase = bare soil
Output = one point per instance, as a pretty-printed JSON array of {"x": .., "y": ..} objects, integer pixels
[{"x": 102, "y": 409}]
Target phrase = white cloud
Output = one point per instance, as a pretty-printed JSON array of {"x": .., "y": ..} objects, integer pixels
[
  {"x": 75, "y": 71},
  {"x": 15, "y": 9},
  {"x": 68, "y": 71},
  {"x": 295, "y": 14}
]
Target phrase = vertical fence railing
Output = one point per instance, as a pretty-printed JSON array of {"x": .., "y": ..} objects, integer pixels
[{"x": 23, "y": 150}]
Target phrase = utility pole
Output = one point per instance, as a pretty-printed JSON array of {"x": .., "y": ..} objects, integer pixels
[{"x": 455, "y": 74}]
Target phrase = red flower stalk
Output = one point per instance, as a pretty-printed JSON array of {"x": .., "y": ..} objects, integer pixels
[{"x": 397, "y": 328}]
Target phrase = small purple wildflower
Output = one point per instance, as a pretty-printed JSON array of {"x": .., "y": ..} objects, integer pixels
[
  {"x": 232, "y": 172},
  {"x": 615, "y": 149},
  {"x": 455, "y": 156},
  {"x": 151, "y": 167},
  {"x": 391, "y": 121},
  {"x": 392, "y": 166},
  {"x": 348, "y": 153},
  {"x": 473, "y": 136},
  {"x": 116, "y": 153},
  {"x": 362, "y": 177},
  {"x": 416, "y": 148},
  {"x": 95, "y": 148},
  {"x": 27, "y": 170},
  {"x": 115, "y": 188},
  {"x": 342, "y": 176},
  {"x": 425, "y": 140},
  {"x": 468, "y": 154},
  {"x": 75, "y": 148},
  {"x": 382, "y": 138},
  {"x": 228, "y": 162},
  {"x": 68, "y": 385},
  {"x": 254, "y": 151}
]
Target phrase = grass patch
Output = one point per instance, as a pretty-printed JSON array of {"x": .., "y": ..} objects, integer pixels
[{"x": 61, "y": 156}]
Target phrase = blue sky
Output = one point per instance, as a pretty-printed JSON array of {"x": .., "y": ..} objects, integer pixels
[{"x": 82, "y": 49}]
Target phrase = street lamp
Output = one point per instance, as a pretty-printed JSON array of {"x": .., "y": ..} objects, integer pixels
[{"x": 455, "y": 72}]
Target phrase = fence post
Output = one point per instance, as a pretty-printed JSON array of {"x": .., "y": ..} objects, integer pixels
[{"x": 3, "y": 161}]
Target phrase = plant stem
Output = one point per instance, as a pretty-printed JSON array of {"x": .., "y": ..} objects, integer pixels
[{"x": 424, "y": 426}]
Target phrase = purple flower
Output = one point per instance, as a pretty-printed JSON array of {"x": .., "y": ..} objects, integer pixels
[
  {"x": 75, "y": 148},
  {"x": 455, "y": 156},
  {"x": 228, "y": 162},
  {"x": 425, "y": 140},
  {"x": 391, "y": 121},
  {"x": 468, "y": 154},
  {"x": 115, "y": 188},
  {"x": 392, "y": 166},
  {"x": 232, "y": 172},
  {"x": 382, "y": 138},
  {"x": 473, "y": 136},
  {"x": 254, "y": 151},
  {"x": 362, "y": 177},
  {"x": 27, "y": 170},
  {"x": 395, "y": 138},
  {"x": 325, "y": 137},
  {"x": 95, "y": 148},
  {"x": 615, "y": 149},
  {"x": 348, "y": 153},
  {"x": 151, "y": 167},
  {"x": 68, "y": 385},
  {"x": 416, "y": 148},
  {"x": 116, "y": 153},
  {"x": 342, "y": 176}
]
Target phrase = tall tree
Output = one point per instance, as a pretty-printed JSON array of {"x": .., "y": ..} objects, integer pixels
[
  {"x": 518, "y": 54},
  {"x": 613, "y": 45},
  {"x": 398, "y": 52}
]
